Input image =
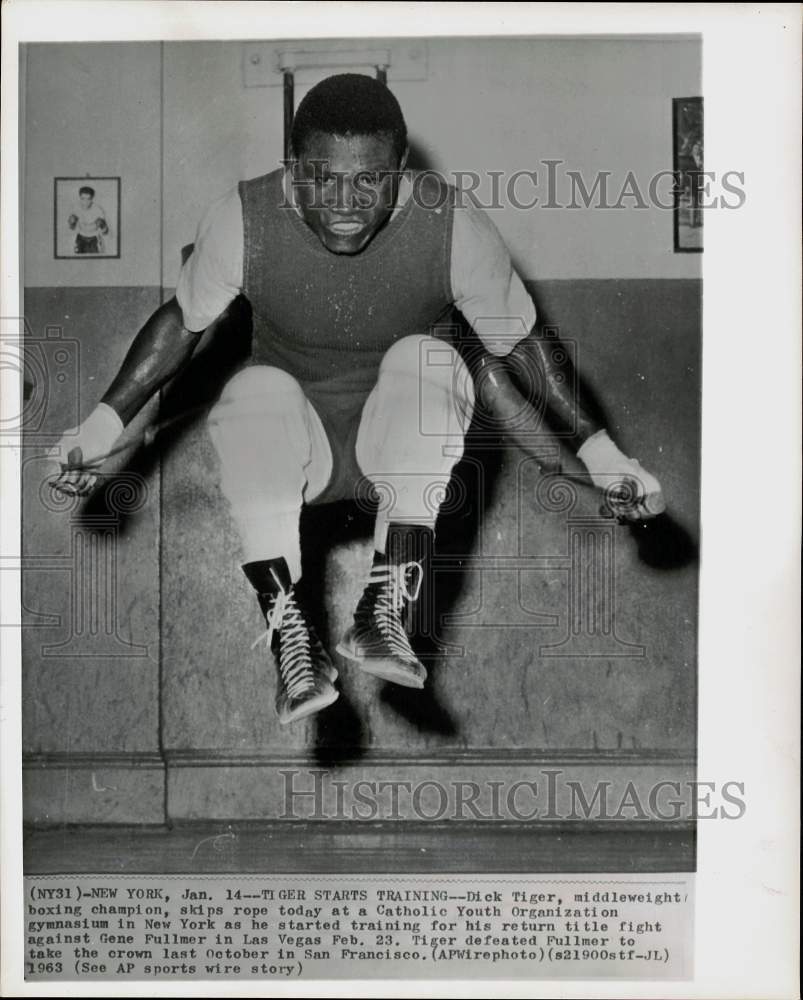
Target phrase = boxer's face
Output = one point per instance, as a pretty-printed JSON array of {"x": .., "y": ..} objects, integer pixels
[
  {"x": 346, "y": 187},
  {"x": 86, "y": 200}
]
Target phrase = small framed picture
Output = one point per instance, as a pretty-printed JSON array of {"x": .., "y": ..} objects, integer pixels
[
  {"x": 86, "y": 223},
  {"x": 687, "y": 144}
]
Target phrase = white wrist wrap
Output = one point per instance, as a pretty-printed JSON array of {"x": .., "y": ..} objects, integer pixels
[
  {"x": 601, "y": 456},
  {"x": 98, "y": 433},
  {"x": 608, "y": 466}
]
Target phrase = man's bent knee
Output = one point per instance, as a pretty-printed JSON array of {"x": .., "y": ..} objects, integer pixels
[
  {"x": 432, "y": 361},
  {"x": 258, "y": 389}
]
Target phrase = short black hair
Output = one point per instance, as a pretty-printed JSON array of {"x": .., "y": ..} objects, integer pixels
[
  {"x": 350, "y": 104},
  {"x": 86, "y": 190}
]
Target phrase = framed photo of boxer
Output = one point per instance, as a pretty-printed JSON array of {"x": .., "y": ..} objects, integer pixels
[
  {"x": 687, "y": 146},
  {"x": 86, "y": 217}
]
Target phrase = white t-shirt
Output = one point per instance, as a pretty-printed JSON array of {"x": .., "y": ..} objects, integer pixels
[
  {"x": 88, "y": 219},
  {"x": 485, "y": 285}
]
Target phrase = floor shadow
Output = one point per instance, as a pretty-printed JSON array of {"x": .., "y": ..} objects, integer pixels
[
  {"x": 339, "y": 734},
  {"x": 468, "y": 497},
  {"x": 422, "y": 709},
  {"x": 664, "y": 544},
  {"x": 322, "y": 527},
  {"x": 122, "y": 495}
]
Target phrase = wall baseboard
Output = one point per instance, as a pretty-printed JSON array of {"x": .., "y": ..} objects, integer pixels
[
  {"x": 486, "y": 785},
  {"x": 93, "y": 788}
]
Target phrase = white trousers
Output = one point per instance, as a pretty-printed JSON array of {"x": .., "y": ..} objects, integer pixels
[{"x": 274, "y": 453}]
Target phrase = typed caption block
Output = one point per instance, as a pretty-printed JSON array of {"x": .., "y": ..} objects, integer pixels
[{"x": 143, "y": 928}]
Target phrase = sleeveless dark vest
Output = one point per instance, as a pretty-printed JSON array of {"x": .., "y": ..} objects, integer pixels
[{"x": 327, "y": 319}]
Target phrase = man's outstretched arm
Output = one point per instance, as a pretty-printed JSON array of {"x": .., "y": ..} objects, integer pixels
[
  {"x": 159, "y": 351},
  {"x": 531, "y": 380},
  {"x": 536, "y": 374},
  {"x": 542, "y": 378}
]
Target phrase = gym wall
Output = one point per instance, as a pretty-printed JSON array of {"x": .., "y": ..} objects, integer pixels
[{"x": 150, "y": 704}]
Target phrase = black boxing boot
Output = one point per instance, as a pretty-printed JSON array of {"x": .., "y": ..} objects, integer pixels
[
  {"x": 305, "y": 673},
  {"x": 394, "y": 598}
]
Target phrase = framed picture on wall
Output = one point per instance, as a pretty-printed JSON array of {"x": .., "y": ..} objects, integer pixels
[
  {"x": 86, "y": 217},
  {"x": 687, "y": 145}
]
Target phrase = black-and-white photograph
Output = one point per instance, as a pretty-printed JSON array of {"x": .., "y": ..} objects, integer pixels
[
  {"x": 416, "y": 495},
  {"x": 360, "y": 507},
  {"x": 86, "y": 220}
]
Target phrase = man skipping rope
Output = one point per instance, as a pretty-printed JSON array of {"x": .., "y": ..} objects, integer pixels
[{"x": 349, "y": 261}]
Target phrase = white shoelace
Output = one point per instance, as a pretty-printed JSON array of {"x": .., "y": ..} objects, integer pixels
[
  {"x": 390, "y": 603},
  {"x": 295, "y": 664}
]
